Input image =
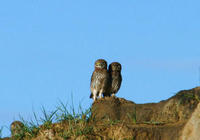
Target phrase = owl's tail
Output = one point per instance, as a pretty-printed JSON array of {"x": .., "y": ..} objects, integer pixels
[{"x": 91, "y": 95}]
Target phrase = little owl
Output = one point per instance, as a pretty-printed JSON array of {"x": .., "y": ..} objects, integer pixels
[
  {"x": 115, "y": 78},
  {"x": 99, "y": 80}
]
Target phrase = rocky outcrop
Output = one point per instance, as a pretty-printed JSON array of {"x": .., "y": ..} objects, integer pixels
[
  {"x": 177, "y": 118},
  {"x": 192, "y": 127}
]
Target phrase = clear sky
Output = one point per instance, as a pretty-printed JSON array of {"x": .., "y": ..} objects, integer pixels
[{"x": 48, "y": 49}]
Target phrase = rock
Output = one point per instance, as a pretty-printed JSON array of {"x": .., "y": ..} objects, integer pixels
[
  {"x": 176, "y": 118},
  {"x": 192, "y": 127},
  {"x": 112, "y": 108},
  {"x": 16, "y": 128}
]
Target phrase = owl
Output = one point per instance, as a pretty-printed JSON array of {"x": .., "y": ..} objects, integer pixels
[
  {"x": 115, "y": 78},
  {"x": 99, "y": 80}
]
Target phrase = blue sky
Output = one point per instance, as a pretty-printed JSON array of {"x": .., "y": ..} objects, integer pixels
[{"x": 48, "y": 49}]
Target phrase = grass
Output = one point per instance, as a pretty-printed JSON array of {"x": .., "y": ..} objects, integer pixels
[
  {"x": 187, "y": 96},
  {"x": 47, "y": 118},
  {"x": 31, "y": 128},
  {"x": 76, "y": 122},
  {"x": 133, "y": 116},
  {"x": 1, "y": 130},
  {"x": 113, "y": 122}
]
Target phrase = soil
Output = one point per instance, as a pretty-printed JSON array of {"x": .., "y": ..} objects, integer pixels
[{"x": 112, "y": 118}]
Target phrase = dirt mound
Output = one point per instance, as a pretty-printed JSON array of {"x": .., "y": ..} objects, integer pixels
[
  {"x": 173, "y": 118},
  {"x": 175, "y": 109},
  {"x": 176, "y": 118},
  {"x": 112, "y": 108}
]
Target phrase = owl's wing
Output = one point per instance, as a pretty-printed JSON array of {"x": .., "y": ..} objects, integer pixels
[
  {"x": 107, "y": 84},
  {"x": 92, "y": 78},
  {"x": 105, "y": 79},
  {"x": 120, "y": 78}
]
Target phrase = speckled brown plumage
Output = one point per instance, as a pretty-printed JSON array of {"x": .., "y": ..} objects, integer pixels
[
  {"x": 99, "y": 80},
  {"x": 115, "y": 78}
]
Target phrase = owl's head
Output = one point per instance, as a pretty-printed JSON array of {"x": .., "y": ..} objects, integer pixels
[
  {"x": 115, "y": 66},
  {"x": 101, "y": 64}
]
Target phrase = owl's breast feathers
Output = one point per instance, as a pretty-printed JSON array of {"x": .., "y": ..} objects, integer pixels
[
  {"x": 116, "y": 81},
  {"x": 100, "y": 79}
]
